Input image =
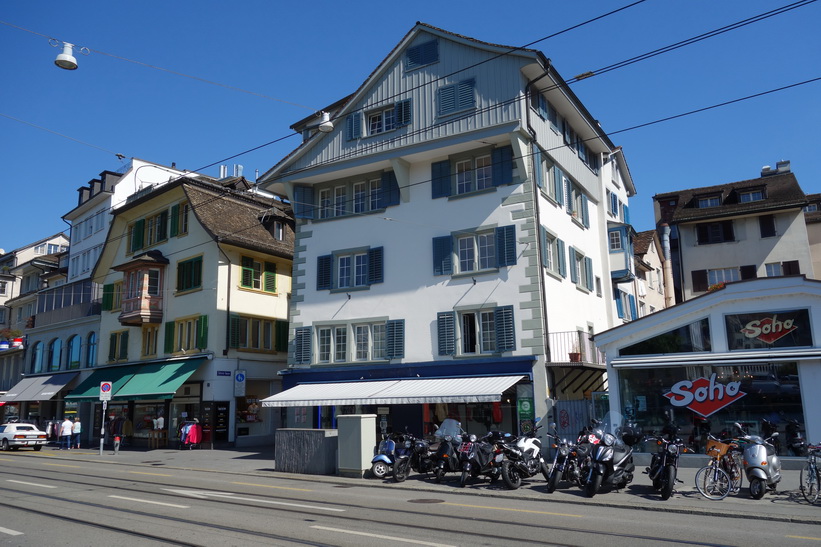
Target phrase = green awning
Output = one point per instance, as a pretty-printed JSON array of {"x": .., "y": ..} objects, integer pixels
[
  {"x": 89, "y": 390},
  {"x": 157, "y": 380}
]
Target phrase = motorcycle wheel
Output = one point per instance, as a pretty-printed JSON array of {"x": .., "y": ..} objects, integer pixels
[
  {"x": 593, "y": 485},
  {"x": 545, "y": 472},
  {"x": 757, "y": 489},
  {"x": 511, "y": 476},
  {"x": 553, "y": 480},
  {"x": 379, "y": 470},
  {"x": 402, "y": 471},
  {"x": 463, "y": 480},
  {"x": 439, "y": 474},
  {"x": 668, "y": 481}
]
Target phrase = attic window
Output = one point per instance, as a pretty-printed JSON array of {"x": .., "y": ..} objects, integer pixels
[
  {"x": 709, "y": 201},
  {"x": 752, "y": 195}
]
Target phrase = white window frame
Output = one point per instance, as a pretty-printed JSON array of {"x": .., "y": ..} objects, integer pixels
[
  {"x": 476, "y": 252},
  {"x": 477, "y": 332},
  {"x": 723, "y": 275},
  {"x": 709, "y": 201},
  {"x": 750, "y": 196},
  {"x": 381, "y": 121},
  {"x": 774, "y": 269},
  {"x": 614, "y": 238}
]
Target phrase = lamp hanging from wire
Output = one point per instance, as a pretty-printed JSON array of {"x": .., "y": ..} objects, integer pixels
[{"x": 66, "y": 59}]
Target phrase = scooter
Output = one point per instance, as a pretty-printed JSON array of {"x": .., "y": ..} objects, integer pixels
[
  {"x": 761, "y": 463},
  {"x": 419, "y": 459},
  {"x": 523, "y": 459},
  {"x": 445, "y": 458},
  {"x": 611, "y": 461},
  {"x": 479, "y": 457},
  {"x": 382, "y": 463}
]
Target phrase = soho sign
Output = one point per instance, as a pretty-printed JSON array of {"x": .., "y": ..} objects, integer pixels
[{"x": 704, "y": 396}]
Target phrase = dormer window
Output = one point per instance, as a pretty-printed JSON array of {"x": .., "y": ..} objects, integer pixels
[
  {"x": 752, "y": 195},
  {"x": 709, "y": 201}
]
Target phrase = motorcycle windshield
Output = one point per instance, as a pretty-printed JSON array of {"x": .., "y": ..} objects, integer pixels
[{"x": 448, "y": 428}]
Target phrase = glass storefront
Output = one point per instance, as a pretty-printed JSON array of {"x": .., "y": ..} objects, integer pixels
[{"x": 705, "y": 399}]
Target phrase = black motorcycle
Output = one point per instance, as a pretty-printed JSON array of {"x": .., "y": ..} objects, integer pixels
[
  {"x": 565, "y": 462},
  {"x": 796, "y": 442},
  {"x": 419, "y": 459},
  {"x": 611, "y": 460},
  {"x": 445, "y": 457},
  {"x": 767, "y": 430},
  {"x": 522, "y": 458},
  {"x": 663, "y": 468},
  {"x": 480, "y": 457}
]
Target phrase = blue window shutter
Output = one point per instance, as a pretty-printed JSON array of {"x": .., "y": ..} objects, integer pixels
[
  {"x": 633, "y": 313},
  {"x": 505, "y": 330},
  {"x": 614, "y": 204},
  {"x": 466, "y": 97},
  {"x": 403, "y": 113},
  {"x": 542, "y": 106},
  {"x": 375, "y": 269},
  {"x": 558, "y": 184},
  {"x": 571, "y": 257},
  {"x": 395, "y": 338},
  {"x": 447, "y": 99},
  {"x": 585, "y": 212},
  {"x": 446, "y": 328},
  {"x": 304, "y": 201},
  {"x": 440, "y": 179},
  {"x": 538, "y": 168},
  {"x": 619, "y": 304},
  {"x": 353, "y": 126},
  {"x": 568, "y": 192},
  {"x": 324, "y": 275},
  {"x": 506, "y": 246},
  {"x": 422, "y": 54},
  {"x": 389, "y": 192},
  {"x": 543, "y": 244},
  {"x": 562, "y": 258},
  {"x": 442, "y": 255},
  {"x": 502, "y": 160},
  {"x": 588, "y": 270},
  {"x": 626, "y": 214},
  {"x": 302, "y": 346}
]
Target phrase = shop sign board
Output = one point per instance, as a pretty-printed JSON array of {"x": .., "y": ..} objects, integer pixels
[
  {"x": 704, "y": 396},
  {"x": 768, "y": 329}
]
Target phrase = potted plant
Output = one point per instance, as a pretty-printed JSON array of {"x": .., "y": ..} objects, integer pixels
[{"x": 575, "y": 355}]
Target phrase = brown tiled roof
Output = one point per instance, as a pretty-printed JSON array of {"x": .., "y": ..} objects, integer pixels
[
  {"x": 813, "y": 217},
  {"x": 781, "y": 192},
  {"x": 642, "y": 241}
]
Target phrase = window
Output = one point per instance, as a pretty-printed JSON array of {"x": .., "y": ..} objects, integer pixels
[
  {"x": 774, "y": 269},
  {"x": 577, "y": 203},
  {"x": 422, "y": 54},
  {"x": 456, "y": 97},
  {"x": 340, "y": 200},
  {"x": 360, "y": 197},
  {"x": 357, "y": 268},
  {"x": 552, "y": 252},
  {"x": 37, "y": 358},
  {"x": 258, "y": 334},
  {"x": 117, "y": 296},
  {"x": 581, "y": 269},
  {"x": 325, "y": 210},
  {"x": 118, "y": 346},
  {"x": 473, "y": 173},
  {"x": 179, "y": 219},
  {"x": 333, "y": 201},
  {"x": 753, "y": 195},
  {"x": 279, "y": 230},
  {"x": 374, "y": 341},
  {"x": 482, "y": 250},
  {"x": 715, "y": 232},
  {"x": 3, "y": 288},
  {"x": 189, "y": 274},
  {"x": 381, "y": 121},
  {"x": 709, "y": 201},
  {"x": 190, "y": 333},
  {"x": 258, "y": 275},
  {"x": 615, "y": 240},
  {"x": 55, "y": 350},
  {"x": 369, "y": 342},
  {"x": 91, "y": 350},
  {"x": 625, "y": 305},
  {"x": 811, "y": 208},
  {"x": 723, "y": 275},
  {"x": 480, "y": 331},
  {"x": 149, "y": 345},
  {"x": 74, "y": 352},
  {"x": 766, "y": 225},
  {"x": 156, "y": 228}
]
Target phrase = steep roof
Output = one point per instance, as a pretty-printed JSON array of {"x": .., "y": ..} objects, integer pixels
[{"x": 642, "y": 242}]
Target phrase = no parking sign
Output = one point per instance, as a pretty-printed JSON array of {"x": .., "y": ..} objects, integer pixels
[{"x": 105, "y": 391}]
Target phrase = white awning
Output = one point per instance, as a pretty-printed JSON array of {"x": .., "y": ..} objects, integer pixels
[{"x": 397, "y": 392}]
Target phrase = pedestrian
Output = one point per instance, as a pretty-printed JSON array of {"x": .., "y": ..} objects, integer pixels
[
  {"x": 65, "y": 433},
  {"x": 76, "y": 428}
]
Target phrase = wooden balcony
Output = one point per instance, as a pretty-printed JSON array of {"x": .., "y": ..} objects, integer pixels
[
  {"x": 141, "y": 310},
  {"x": 574, "y": 348}
]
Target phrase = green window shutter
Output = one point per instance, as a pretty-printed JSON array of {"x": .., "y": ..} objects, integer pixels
[
  {"x": 202, "y": 332},
  {"x": 112, "y": 346},
  {"x": 442, "y": 255},
  {"x": 506, "y": 246},
  {"x": 175, "y": 220},
  {"x": 162, "y": 226},
  {"x": 233, "y": 330},
  {"x": 446, "y": 327},
  {"x": 395, "y": 338},
  {"x": 108, "y": 297},
  {"x": 137, "y": 234},
  {"x": 169, "y": 336},
  {"x": 247, "y": 277},
  {"x": 269, "y": 277},
  {"x": 123, "y": 346},
  {"x": 181, "y": 267},
  {"x": 505, "y": 329},
  {"x": 197, "y": 277},
  {"x": 440, "y": 179},
  {"x": 281, "y": 333}
]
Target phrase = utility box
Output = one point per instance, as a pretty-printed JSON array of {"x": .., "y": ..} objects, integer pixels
[
  {"x": 308, "y": 451},
  {"x": 357, "y": 438}
]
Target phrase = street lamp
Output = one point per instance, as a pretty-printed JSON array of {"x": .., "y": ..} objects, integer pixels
[{"x": 66, "y": 59}]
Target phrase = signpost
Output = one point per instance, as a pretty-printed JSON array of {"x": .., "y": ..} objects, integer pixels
[{"x": 105, "y": 396}]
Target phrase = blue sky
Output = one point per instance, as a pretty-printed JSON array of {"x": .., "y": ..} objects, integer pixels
[{"x": 59, "y": 129}]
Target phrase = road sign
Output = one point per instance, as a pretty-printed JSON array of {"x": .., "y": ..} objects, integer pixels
[{"x": 105, "y": 391}]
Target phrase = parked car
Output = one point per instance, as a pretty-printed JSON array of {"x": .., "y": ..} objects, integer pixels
[{"x": 15, "y": 435}]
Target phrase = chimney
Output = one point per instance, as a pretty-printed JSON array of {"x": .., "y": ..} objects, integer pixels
[
  {"x": 766, "y": 171},
  {"x": 223, "y": 171},
  {"x": 783, "y": 167}
]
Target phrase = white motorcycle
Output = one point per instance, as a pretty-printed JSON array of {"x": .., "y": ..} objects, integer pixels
[{"x": 523, "y": 459}]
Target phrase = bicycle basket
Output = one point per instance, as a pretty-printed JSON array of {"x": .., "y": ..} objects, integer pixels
[{"x": 716, "y": 449}]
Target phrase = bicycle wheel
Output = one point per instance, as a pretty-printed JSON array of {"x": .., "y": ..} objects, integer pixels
[
  {"x": 730, "y": 466},
  {"x": 712, "y": 482},
  {"x": 810, "y": 483}
]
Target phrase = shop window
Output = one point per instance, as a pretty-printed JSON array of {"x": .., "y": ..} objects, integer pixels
[
  {"x": 37, "y": 358},
  {"x": 74, "y": 352},
  {"x": 694, "y": 337},
  {"x": 55, "y": 350}
]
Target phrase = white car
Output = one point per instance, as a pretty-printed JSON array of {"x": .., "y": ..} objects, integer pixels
[{"x": 13, "y": 436}]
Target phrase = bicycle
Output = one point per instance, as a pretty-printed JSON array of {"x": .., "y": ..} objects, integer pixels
[
  {"x": 722, "y": 473},
  {"x": 810, "y": 475}
]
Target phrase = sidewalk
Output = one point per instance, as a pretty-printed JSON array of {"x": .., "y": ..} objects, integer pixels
[{"x": 786, "y": 504}]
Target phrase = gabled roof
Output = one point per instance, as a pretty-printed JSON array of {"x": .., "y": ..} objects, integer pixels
[
  {"x": 781, "y": 192},
  {"x": 642, "y": 242}
]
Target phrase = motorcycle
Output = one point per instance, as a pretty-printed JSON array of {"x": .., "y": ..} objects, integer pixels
[
  {"x": 522, "y": 458},
  {"x": 663, "y": 468},
  {"x": 565, "y": 462},
  {"x": 480, "y": 457},
  {"x": 796, "y": 443},
  {"x": 611, "y": 460},
  {"x": 767, "y": 429},
  {"x": 382, "y": 463},
  {"x": 761, "y": 464},
  {"x": 445, "y": 458},
  {"x": 419, "y": 459}
]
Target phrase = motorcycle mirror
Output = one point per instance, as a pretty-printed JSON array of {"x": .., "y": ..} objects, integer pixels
[{"x": 553, "y": 425}]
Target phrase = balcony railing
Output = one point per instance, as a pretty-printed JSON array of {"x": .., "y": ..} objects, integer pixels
[
  {"x": 574, "y": 348},
  {"x": 141, "y": 310}
]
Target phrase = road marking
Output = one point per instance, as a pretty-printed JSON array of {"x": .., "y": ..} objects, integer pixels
[
  {"x": 154, "y": 474},
  {"x": 62, "y": 465},
  {"x": 268, "y": 486},
  {"x": 10, "y": 532},
  {"x": 204, "y": 494},
  {"x": 804, "y": 537},
  {"x": 6, "y": 460},
  {"x": 514, "y": 510},
  {"x": 378, "y": 536},
  {"x": 149, "y": 501},
  {"x": 32, "y": 483}
]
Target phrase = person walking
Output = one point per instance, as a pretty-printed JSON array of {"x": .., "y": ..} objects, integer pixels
[
  {"x": 76, "y": 428},
  {"x": 65, "y": 433}
]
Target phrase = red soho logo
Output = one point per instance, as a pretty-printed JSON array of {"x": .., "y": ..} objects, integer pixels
[
  {"x": 704, "y": 396},
  {"x": 769, "y": 329}
]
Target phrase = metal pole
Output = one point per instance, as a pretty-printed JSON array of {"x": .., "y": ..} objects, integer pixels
[{"x": 102, "y": 427}]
